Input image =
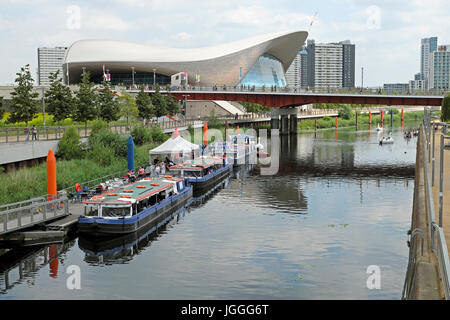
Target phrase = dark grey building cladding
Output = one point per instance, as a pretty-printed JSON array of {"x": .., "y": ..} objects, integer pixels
[{"x": 348, "y": 65}]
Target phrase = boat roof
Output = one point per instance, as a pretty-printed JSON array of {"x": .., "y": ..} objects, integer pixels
[
  {"x": 198, "y": 163},
  {"x": 133, "y": 192}
]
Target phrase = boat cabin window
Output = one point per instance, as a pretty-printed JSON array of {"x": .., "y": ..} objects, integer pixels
[
  {"x": 192, "y": 174},
  {"x": 115, "y": 212},
  {"x": 161, "y": 196},
  {"x": 152, "y": 200},
  {"x": 90, "y": 211}
]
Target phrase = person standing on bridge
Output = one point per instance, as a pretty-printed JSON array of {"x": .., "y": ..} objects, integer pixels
[
  {"x": 26, "y": 131},
  {"x": 34, "y": 133}
]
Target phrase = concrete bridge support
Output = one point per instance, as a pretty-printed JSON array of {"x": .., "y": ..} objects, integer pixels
[{"x": 288, "y": 122}]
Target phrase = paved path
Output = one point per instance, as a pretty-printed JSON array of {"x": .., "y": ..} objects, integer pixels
[{"x": 446, "y": 185}]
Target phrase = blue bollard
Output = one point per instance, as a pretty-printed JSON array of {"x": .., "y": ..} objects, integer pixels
[{"x": 130, "y": 154}]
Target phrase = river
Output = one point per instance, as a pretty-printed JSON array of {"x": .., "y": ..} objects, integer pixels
[{"x": 338, "y": 204}]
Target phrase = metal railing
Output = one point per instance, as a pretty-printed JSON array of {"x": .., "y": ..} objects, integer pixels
[
  {"x": 21, "y": 217},
  {"x": 437, "y": 237},
  {"x": 288, "y": 89}
]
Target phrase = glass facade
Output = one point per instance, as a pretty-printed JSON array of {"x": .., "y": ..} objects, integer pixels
[
  {"x": 267, "y": 71},
  {"x": 140, "y": 78}
]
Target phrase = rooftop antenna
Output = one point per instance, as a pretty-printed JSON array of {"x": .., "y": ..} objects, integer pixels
[{"x": 312, "y": 20}]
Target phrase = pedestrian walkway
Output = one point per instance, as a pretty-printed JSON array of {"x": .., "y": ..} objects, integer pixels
[{"x": 446, "y": 183}]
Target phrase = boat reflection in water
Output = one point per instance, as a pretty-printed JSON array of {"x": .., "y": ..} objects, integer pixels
[
  {"x": 122, "y": 249},
  {"x": 22, "y": 265}
]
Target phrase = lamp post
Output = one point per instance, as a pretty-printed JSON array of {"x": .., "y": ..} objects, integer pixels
[
  {"x": 154, "y": 77},
  {"x": 132, "y": 75},
  {"x": 362, "y": 78},
  {"x": 43, "y": 107}
]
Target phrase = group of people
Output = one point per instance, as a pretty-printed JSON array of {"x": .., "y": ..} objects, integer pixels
[
  {"x": 158, "y": 168},
  {"x": 409, "y": 134},
  {"x": 26, "y": 131}
]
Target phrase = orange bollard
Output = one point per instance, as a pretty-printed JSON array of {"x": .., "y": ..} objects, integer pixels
[
  {"x": 402, "y": 114},
  {"x": 370, "y": 117},
  {"x": 51, "y": 176},
  {"x": 205, "y": 134},
  {"x": 381, "y": 112},
  {"x": 336, "y": 122}
]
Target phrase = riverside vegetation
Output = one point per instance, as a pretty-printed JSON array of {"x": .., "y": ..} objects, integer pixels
[{"x": 104, "y": 154}]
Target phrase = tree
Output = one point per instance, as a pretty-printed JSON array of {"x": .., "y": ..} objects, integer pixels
[
  {"x": 159, "y": 102},
  {"x": 24, "y": 104},
  {"x": 173, "y": 107},
  {"x": 69, "y": 147},
  {"x": 109, "y": 106},
  {"x": 86, "y": 104},
  {"x": 59, "y": 99},
  {"x": 2, "y": 110},
  {"x": 144, "y": 104},
  {"x": 127, "y": 106},
  {"x": 445, "y": 110},
  {"x": 254, "y": 107}
]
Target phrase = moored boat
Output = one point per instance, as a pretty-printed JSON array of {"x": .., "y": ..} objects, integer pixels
[
  {"x": 203, "y": 172},
  {"x": 129, "y": 208}
]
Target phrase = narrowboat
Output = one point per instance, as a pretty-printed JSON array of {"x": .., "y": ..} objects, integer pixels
[
  {"x": 131, "y": 207},
  {"x": 203, "y": 173},
  {"x": 241, "y": 149},
  {"x": 122, "y": 248}
]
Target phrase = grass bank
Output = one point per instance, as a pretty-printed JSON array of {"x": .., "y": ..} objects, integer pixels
[{"x": 28, "y": 183}]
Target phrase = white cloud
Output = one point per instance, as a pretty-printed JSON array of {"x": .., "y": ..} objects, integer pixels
[{"x": 183, "y": 36}]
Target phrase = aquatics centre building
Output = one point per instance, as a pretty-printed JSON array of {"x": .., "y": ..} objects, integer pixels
[{"x": 257, "y": 61}]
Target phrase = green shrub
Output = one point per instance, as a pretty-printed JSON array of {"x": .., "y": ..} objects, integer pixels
[
  {"x": 214, "y": 122},
  {"x": 345, "y": 112},
  {"x": 69, "y": 147},
  {"x": 141, "y": 135},
  {"x": 445, "y": 110},
  {"x": 98, "y": 125},
  {"x": 117, "y": 143},
  {"x": 158, "y": 135},
  {"x": 101, "y": 154}
]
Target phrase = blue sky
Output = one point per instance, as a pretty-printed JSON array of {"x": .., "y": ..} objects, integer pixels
[{"x": 386, "y": 33}]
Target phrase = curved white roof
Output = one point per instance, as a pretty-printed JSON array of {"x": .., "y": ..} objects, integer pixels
[{"x": 227, "y": 58}]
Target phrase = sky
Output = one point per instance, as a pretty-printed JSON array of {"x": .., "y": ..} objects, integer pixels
[{"x": 386, "y": 33}]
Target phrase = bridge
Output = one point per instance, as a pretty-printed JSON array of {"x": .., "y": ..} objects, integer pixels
[
  {"x": 277, "y": 99},
  {"x": 284, "y": 101}
]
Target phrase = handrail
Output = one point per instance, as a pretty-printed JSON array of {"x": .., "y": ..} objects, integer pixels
[{"x": 439, "y": 247}]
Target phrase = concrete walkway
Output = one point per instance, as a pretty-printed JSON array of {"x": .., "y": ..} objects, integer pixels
[{"x": 446, "y": 184}]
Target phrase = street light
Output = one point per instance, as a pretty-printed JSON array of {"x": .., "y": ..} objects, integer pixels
[
  {"x": 132, "y": 74},
  {"x": 154, "y": 77},
  {"x": 43, "y": 106}
]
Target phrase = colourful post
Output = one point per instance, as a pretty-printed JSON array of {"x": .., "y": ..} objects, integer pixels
[
  {"x": 370, "y": 117},
  {"x": 402, "y": 114},
  {"x": 336, "y": 122},
  {"x": 381, "y": 113},
  {"x": 205, "y": 134},
  {"x": 237, "y": 129},
  {"x": 51, "y": 176},
  {"x": 175, "y": 133},
  {"x": 130, "y": 153},
  {"x": 53, "y": 261}
]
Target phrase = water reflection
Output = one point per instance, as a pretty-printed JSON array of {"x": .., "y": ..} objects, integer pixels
[
  {"x": 122, "y": 249},
  {"x": 20, "y": 265}
]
